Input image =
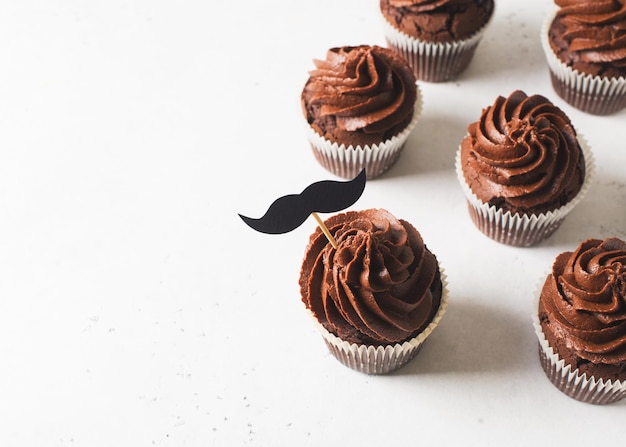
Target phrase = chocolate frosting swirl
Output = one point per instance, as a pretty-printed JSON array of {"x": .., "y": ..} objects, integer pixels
[
  {"x": 591, "y": 36},
  {"x": 584, "y": 300},
  {"x": 523, "y": 155},
  {"x": 359, "y": 95},
  {"x": 438, "y": 20},
  {"x": 380, "y": 286}
]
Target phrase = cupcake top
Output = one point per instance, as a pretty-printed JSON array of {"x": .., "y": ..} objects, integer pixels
[
  {"x": 360, "y": 95},
  {"x": 523, "y": 155},
  {"x": 380, "y": 286},
  {"x": 590, "y": 36},
  {"x": 437, "y": 20},
  {"x": 583, "y": 302}
]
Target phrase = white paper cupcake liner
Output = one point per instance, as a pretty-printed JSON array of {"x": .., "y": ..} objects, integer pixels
[
  {"x": 433, "y": 61},
  {"x": 369, "y": 359},
  {"x": 569, "y": 380},
  {"x": 592, "y": 94},
  {"x": 519, "y": 229},
  {"x": 347, "y": 161}
]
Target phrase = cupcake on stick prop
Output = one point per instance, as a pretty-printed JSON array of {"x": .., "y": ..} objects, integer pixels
[{"x": 373, "y": 288}]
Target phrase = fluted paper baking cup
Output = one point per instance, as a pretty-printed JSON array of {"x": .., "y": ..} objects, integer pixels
[
  {"x": 522, "y": 230},
  {"x": 596, "y": 95},
  {"x": 569, "y": 380},
  {"x": 370, "y": 359},
  {"x": 433, "y": 61},
  {"x": 347, "y": 161}
]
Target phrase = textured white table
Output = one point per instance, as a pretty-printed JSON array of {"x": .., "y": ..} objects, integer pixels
[{"x": 137, "y": 309}]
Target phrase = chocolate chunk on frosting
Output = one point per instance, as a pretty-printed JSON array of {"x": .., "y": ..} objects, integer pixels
[
  {"x": 523, "y": 155},
  {"x": 359, "y": 95},
  {"x": 380, "y": 286}
]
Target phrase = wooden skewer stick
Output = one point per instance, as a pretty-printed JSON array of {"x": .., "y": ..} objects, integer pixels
[{"x": 329, "y": 236}]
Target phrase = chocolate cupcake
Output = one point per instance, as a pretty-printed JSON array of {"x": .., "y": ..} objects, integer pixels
[
  {"x": 585, "y": 46},
  {"x": 523, "y": 168},
  {"x": 360, "y": 103},
  {"x": 581, "y": 322},
  {"x": 437, "y": 37},
  {"x": 378, "y": 295}
]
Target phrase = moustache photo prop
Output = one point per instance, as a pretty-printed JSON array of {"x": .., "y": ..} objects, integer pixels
[{"x": 289, "y": 212}]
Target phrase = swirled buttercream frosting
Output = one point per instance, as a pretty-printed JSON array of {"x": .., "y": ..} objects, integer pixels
[
  {"x": 523, "y": 155},
  {"x": 380, "y": 286},
  {"x": 437, "y": 20},
  {"x": 582, "y": 307},
  {"x": 359, "y": 95},
  {"x": 590, "y": 36}
]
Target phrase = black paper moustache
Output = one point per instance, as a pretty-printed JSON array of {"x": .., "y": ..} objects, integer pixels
[{"x": 289, "y": 212}]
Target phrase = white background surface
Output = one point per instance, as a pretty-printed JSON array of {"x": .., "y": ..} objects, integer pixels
[{"x": 137, "y": 309}]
